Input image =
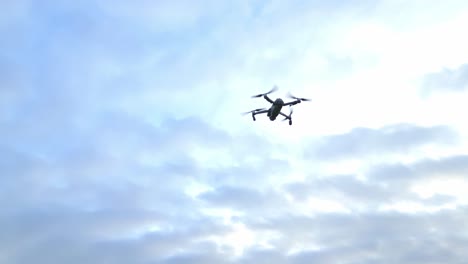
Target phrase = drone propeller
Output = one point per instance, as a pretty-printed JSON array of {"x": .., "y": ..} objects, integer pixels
[
  {"x": 297, "y": 98},
  {"x": 255, "y": 110},
  {"x": 274, "y": 89}
]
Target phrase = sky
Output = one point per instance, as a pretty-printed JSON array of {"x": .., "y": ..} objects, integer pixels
[{"x": 122, "y": 139}]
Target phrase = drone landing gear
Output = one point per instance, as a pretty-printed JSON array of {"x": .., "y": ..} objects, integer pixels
[
  {"x": 290, "y": 122},
  {"x": 253, "y": 116}
]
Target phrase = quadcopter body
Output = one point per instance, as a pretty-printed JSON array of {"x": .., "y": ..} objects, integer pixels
[{"x": 275, "y": 110}]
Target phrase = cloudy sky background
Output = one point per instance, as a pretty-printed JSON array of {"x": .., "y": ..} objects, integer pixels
[{"x": 121, "y": 137}]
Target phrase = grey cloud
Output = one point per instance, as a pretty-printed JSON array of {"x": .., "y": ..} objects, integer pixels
[
  {"x": 57, "y": 236},
  {"x": 388, "y": 182},
  {"x": 131, "y": 135},
  {"x": 370, "y": 237},
  {"x": 244, "y": 199},
  {"x": 362, "y": 142},
  {"x": 189, "y": 258},
  {"x": 446, "y": 80},
  {"x": 452, "y": 166},
  {"x": 95, "y": 190},
  {"x": 382, "y": 183},
  {"x": 349, "y": 189},
  {"x": 245, "y": 174},
  {"x": 272, "y": 256},
  {"x": 439, "y": 199}
]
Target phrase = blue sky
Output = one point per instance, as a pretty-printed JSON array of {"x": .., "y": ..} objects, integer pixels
[{"x": 121, "y": 139}]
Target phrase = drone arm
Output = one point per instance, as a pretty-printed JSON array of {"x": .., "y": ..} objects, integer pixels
[
  {"x": 286, "y": 117},
  {"x": 260, "y": 112},
  {"x": 268, "y": 99},
  {"x": 292, "y": 103}
]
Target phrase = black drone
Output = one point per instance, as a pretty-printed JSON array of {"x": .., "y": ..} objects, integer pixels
[{"x": 276, "y": 106}]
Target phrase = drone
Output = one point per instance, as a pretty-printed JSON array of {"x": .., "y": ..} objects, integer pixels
[{"x": 276, "y": 106}]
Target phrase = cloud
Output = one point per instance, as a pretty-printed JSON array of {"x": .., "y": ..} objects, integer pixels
[
  {"x": 430, "y": 184},
  {"x": 94, "y": 203},
  {"x": 57, "y": 235},
  {"x": 447, "y": 80},
  {"x": 117, "y": 184},
  {"x": 175, "y": 16},
  {"x": 370, "y": 237},
  {"x": 246, "y": 200},
  {"x": 362, "y": 142},
  {"x": 119, "y": 142},
  {"x": 347, "y": 190},
  {"x": 452, "y": 166}
]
